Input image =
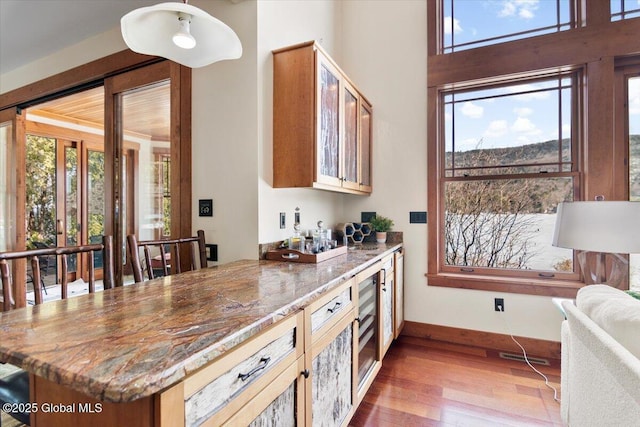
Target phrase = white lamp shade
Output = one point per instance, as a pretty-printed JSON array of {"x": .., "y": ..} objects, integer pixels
[
  {"x": 149, "y": 30},
  {"x": 600, "y": 226}
]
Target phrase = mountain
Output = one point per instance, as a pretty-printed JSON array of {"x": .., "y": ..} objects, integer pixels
[{"x": 536, "y": 158}]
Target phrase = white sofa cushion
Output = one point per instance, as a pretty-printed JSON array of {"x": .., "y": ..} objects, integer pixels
[{"x": 615, "y": 312}]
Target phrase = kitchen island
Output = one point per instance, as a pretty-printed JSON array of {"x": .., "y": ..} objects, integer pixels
[{"x": 130, "y": 355}]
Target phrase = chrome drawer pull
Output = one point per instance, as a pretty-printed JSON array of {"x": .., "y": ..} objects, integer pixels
[
  {"x": 335, "y": 307},
  {"x": 263, "y": 364}
]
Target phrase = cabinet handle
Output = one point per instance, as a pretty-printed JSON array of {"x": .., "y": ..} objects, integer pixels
[
  {"x": 335, "y": 307},
  {"x": 384, "y": 277},
  {"x": 305, "y": 373},
  {"x": 263, "y": 364},
  {"x": 357, "y": 319}
]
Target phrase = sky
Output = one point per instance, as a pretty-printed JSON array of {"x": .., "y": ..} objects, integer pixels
[{"x": 513, "y": 120}]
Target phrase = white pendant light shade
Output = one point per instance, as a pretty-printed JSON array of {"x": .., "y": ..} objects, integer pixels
[{"x": 162, "y": 29}]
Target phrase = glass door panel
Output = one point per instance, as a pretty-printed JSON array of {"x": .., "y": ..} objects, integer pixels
[
  {"x": 350, "y": 138},
  {"x": 7, "y": 187},
  {"x": 152, "y": 201},
  {"x": 368, "y": 328},
  {"x": 70, "y": 204},
  {"x": 328, "y": 168},
  {"x": 41, "y": 207},
  {"x": 365, "y": 146},
  {"x": 95, "y": 201},
  {"x": 633, "y": 101}
]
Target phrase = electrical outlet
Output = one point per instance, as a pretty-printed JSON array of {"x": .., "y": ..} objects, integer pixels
[
  {"x": 283, "y": 220},
  {"x": 498, "y": 304}
]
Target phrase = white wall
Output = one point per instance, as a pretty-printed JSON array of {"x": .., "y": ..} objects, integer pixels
[
  {"x": 385, "y": 53},
  {"x": 382, "y": 46},
  {"x": 225, "y": 138},
  {"x": 280, "y": 24}
]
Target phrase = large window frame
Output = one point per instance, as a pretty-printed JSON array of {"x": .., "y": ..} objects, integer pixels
[
  {"x": 595, "y": 47},
  {"x": 467, "y": 231}
]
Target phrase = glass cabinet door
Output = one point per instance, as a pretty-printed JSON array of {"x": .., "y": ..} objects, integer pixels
[
  {"x": 365, "y": 146},
  {"x": 328, "y": 126},
  {"x": 350, "y": 167}
]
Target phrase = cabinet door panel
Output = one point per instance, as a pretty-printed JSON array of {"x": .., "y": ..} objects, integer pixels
[
  {"x": 365, "y": 146},
  {"x": 332, "y": 382},
  {"x": 328, "y": 123},
  {"x": 350, "y": 167},
  {"x": 398, "y": 303},
  {"x": 281, "y": 412}
]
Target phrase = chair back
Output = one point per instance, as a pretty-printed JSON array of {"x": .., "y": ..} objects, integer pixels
[
  {"x": 163, "y": 255},
  {"x": 61, "y": 254}
]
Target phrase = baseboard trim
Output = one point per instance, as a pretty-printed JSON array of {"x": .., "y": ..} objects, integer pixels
[{"x": 489, "y": 340}]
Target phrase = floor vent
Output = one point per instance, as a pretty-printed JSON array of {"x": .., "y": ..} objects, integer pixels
[{"x": 520, "y": 358}]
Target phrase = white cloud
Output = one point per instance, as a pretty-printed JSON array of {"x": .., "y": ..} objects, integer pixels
[
  {"x": 447, "y": 25},
  {"x": 523, "y": 111},
  {"x": 496, "y": 128},
  {"x": 508, "y": 9},
  {"x": 522, "y": 8},
  {"x": 525, "y": 126},
  {"x": 471, "y": 110}
]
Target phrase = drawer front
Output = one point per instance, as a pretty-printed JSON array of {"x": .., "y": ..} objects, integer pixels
[
  {"x": 332, "y": 309},
  {"x": 207, "y": 401}
]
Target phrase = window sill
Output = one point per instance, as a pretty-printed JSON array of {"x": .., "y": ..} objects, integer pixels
[{"x": 529, "y": 286}]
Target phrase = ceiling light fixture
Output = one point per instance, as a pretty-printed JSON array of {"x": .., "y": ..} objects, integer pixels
[
  {"x": 183, "y": 37},
  {"x": 180, "y": 32}
]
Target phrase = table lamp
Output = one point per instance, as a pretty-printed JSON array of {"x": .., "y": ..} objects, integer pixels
[{"x": 600, "y": 232}]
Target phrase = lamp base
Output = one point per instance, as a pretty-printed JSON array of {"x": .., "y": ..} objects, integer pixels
[{"x": 604, "y": 268}]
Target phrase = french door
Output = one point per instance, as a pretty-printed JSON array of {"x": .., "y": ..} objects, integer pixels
[
  {"x": 149, "y": 187},
  {"x": 64, "y": 189},
  {"x": 112, "y": 202}
]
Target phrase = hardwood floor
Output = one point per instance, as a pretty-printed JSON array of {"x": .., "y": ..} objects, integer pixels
[{"x": 432, "y": 383}]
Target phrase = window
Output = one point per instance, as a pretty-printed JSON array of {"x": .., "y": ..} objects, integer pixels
[
  {"x": 470, "y": 23},
  {"x": 521, "y": 117},
  {"x": 633, "y": 120},
  {"x": 162, "y": 173},
  {"x": 624, "y": 9},
  {"x": 509, "y": 159}
]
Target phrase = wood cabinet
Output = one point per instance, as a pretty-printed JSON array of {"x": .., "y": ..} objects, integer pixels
[
  {"x": 236, "y": 383},
  {"x": 387, "y": 291},
  {"x": 398, "y": 301},
  {"x": 321, "y": 124},
  {"x": 310, "y": 368},
  {"x": 331, "y": 356}
]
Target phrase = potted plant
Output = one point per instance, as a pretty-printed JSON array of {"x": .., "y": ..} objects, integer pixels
[{"x": 381, "y": 225}]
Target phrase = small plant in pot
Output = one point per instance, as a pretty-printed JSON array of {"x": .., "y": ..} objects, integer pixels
[{"x": 381, "y": 225}]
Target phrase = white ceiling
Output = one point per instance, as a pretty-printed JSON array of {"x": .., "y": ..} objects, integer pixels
[{"x": 31, "y": 29}]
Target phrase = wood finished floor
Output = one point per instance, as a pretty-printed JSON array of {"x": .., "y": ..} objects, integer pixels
[{"x": 431, "y": 383}]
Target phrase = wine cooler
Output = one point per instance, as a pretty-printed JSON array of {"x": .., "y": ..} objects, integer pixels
[{"x": 368, "y": 329}]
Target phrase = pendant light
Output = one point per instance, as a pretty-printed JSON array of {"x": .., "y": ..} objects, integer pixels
[{"x": 180, "y": 32}]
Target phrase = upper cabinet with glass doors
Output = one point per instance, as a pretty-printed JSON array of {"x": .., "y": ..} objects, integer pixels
[{"x": 321, "y": 124}]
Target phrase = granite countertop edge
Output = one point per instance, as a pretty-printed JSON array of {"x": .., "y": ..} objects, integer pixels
[{"x": 123, "y": 388}]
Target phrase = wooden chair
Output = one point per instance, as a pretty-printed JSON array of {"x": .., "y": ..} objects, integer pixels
[
  {"x": 61, "y": 254},
  {"x": 14, "y": 388},
  {"x": 162, "y": 257}
]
